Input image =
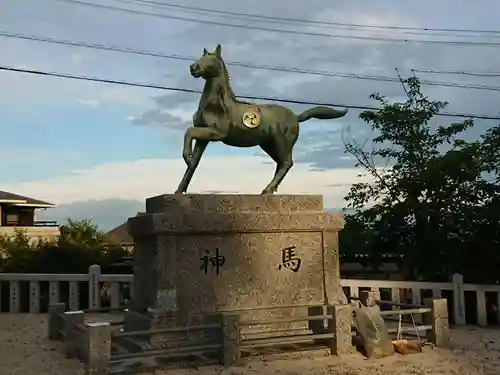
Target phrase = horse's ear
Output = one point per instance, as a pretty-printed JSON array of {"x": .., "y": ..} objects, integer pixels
[
  {"x": 218, "y": 50},
  {"x": 205, "y": 52}
]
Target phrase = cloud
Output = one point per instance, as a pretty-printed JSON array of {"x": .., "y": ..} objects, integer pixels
[
  {"x": 320, "y": 144},
  {"x": 25, "y": 157},
  {"x": 123, "y": 96},
  {"x": 149, "y": 177},
  {"x": 88, "y": 103},
  {"x": 169, "y": 120}
]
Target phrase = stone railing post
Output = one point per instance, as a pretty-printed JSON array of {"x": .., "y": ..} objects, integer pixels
[
  {"x": 416, "y": 299},
  {"x": 34, "y": 288},
  {"x": 98, "y": 349},
  {"x": 74, "y": 296},
  {"x": 482, "y": 313},
  {"x": 72, "y": 333},
  {"x": 116, "y": 300},
  {"x": 94, "y": 290},
  {"x": 15, "y": 296},
  {"x": 56, "y": 320},
  {"x": 439, "y": 335},
  {"x": 458, "y": 299},
  {"x": 341, "y": 327},
  {"x": 369, "y": 298},
  {"x": 375, "y": 293},
  {"x": 230, "y": 353}
]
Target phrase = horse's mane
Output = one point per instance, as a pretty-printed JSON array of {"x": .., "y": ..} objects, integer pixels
[{"x": 228, "y": 82}]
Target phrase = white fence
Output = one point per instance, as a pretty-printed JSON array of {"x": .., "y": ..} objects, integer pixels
[
  {"x": 95, "y": 280},
  {"x": 400, "y": 291}
]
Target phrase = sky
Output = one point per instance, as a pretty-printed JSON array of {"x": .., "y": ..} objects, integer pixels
[{"x": 69, "y": 141}]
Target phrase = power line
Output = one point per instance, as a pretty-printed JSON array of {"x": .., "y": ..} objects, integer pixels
[
  {"x": 299, "y": 20},
  {"x": 241, "y": 64},
  {"x": 294, "y": 21},
  {"x": 250, "y": 97},
  {"x": 458, "y": 72},
  {"x": 294, "y": 32}
]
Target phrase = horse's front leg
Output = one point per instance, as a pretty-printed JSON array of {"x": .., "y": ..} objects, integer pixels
[
  {"x": 199, "y": 148},
  {"x": 192, "y": 158},
  {"x": 187, "y": 149},
  {"x": 206, "y": 134}
]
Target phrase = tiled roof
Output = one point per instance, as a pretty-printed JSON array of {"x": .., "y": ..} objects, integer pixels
[
  {"x": 6, "y": 196},
  {"x": 120, "y": 235}
]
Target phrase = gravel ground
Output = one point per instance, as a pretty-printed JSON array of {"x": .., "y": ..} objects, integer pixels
[{"x": 25, "y": 350}]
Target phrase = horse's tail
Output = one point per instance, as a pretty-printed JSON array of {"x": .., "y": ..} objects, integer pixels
[{"x": 321, "y": 113}]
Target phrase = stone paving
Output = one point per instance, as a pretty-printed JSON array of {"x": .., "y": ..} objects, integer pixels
[{"x": 24, "y": 349}]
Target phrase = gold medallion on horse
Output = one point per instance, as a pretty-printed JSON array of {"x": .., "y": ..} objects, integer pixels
[{"x": 251, "y": 118}]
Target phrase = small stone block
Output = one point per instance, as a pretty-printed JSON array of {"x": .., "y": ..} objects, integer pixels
[
  {"x": 99, "y": 349},
  {"x": 439, "y": 335},
  {"x": 341, "y": 326},
  {"x": 56, "y": 319},
  {"x": 230, "y": 353},
  {"x": 73, "y": 333}
]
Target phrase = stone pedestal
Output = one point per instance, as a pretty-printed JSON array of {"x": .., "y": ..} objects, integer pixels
[{"x": 203, "y": 254}]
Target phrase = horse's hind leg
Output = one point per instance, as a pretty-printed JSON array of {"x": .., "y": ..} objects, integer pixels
[{"x": 282, "y": 155}]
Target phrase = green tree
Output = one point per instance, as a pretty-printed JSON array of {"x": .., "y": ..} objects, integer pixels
[
  {"x": 426, "y": 185},
  {"x": 18, "y": 251},
  {"x": 81, "y": 233},
  {"x": 78, "y": 247}
]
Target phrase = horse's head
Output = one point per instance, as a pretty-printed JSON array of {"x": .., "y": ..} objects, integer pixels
[{"x": 209, "y": 65}]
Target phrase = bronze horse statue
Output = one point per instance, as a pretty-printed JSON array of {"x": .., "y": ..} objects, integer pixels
[{"x": 222, "y": 117}]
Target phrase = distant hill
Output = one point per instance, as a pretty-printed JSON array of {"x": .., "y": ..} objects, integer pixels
[{"x": 106, "y": 213}]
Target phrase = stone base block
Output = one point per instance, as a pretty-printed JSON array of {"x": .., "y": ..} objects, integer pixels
[{"x": 204, "y": 254}]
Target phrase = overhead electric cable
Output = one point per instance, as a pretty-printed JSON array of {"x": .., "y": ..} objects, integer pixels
[
  {"x": 458, "y": 72},
  {"x": 240, "y": 64},
  {"x": 294, "y": 32},
  {"x": 306, "y": 21},
  {"x": 323, "y": 24},
  {"x": 250, "y": 97}
]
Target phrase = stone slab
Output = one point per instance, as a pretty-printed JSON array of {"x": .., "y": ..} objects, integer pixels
[{"x": 234, "y": 203}]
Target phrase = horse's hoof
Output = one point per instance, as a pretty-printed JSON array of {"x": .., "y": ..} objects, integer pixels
[
  {"x": 177, "y": 192},
  {"x": 267, "y": 192}
]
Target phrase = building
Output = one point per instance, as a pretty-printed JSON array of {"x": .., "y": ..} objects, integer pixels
[{"x": 18, "y": 212}]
